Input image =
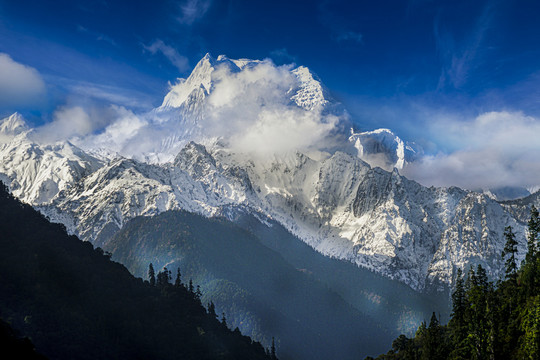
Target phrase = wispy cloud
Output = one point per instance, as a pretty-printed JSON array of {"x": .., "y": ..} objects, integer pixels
[
  {"x": 350, "y": 36},
  {"x": 108, "y": 94},
  {"x": 282, "y": 55},
  {"x": 20, "y": 85},
  {"x": 98, "y": 36},
  {"x": 192, "y": 10},
  {"x": 179, "y": 61},
  {"x": 459, "y": 57}
]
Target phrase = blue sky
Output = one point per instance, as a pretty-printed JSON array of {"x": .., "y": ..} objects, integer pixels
[{"x": 412, "y": 66}]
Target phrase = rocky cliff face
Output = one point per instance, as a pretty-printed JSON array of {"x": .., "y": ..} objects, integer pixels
[
  {"x": 339, "y": 205},
  {"x": 331, "y": 198}
]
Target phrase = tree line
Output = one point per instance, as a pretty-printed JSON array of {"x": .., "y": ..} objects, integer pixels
[
  {"x": 163, "y": 281},
  {"x": 489, "y": 320},
  {"x": 70, "y": 301}
]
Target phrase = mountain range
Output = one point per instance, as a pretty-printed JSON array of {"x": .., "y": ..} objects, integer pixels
[{"x": 244, "y": 137}]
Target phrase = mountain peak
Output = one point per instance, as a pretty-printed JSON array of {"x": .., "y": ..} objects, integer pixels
[
  {"x": 13, "y": 125},
  {"x": 201, "y": 76},
  {"x": 311, "y": 93},
  {"x": 383, "y": 148}
]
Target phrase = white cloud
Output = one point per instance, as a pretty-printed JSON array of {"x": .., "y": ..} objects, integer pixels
[
  {"x": 120, "y": 136},
  {"x": 493, "y": 150},
  {"x": 179, "y": 61},
  {"x": 459, "y": 57},
  {"x": 111, "y": 94},
  {"x": 20, "y": 85},
  {"x": 253, "y": 110},
  {"x": 67, "y": 122},
  {"x": 192, "y": 10},
  {"x": 76, "y": 122}
]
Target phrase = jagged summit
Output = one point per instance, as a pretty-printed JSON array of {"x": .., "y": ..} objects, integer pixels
[
  {"x": 188, "y": 106},
  {"x": 308, "y": 93},
  {"x": 13, "y": 125},
  {"x": 385, "y": 149},
  {"x": 341, "y": 201}
]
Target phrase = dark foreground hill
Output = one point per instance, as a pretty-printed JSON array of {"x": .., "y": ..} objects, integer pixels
[{"x": 73, "y": 302}]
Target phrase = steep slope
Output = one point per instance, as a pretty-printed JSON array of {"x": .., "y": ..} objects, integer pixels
[
  {"x": 13, "y": 345},
  {"x": 520, "y": 208},
  {"x": 74, "y": 303},
  {"x": 376, "y": 219},
  {"x": 36, "y": 173},
  {"x": 258, "y": 290},
  {"x": 394, "y": 305},
  {"x": 12, "y": 125},
  {"x": 104, "y": 201},
  {"x": 383, "y": 148},
  {"x": 326, "y": 195},
  {"x": 380, "y": 220}
]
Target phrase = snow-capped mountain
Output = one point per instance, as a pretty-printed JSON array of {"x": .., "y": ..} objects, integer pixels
[
  {"x": 37, "y": 173},
  {"x": 339, "y": 205},
  {"x": 216, "y": 84},
  {"x": 13, "y": 125},
  {"x": 383, "y": 148},
  {"x": 328, "y": 196}
]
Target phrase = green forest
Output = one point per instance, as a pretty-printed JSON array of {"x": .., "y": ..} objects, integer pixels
[{"x": 489, "y": 320}]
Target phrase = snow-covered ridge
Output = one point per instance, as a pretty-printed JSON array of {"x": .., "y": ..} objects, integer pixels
[
  {"x": 13, "y": 125},
  {"x": 383, "y": 148},
  {"x": 342, "y": 201},
  {"x": 337, "y": 203}
]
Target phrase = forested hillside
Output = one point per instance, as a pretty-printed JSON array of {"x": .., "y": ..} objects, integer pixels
[
  {"x": 258, "y": 290},
  {"x": 489, "y": 320},
  {"x": 73, "y": 302}
]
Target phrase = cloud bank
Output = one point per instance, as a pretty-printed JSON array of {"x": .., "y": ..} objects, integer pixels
[
  {"x": 250, "y": 111},
  {"x": 75, "y": 122},
  {"x": 20, "y": 85},
  {"x": 494, "y": 150},
  {"x": 253, "y": 109}
]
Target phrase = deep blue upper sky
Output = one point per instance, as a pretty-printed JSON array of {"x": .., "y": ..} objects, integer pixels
[{"x": 392, "y": 63}]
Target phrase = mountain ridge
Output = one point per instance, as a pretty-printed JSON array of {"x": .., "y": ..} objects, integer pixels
[{"x": 327, "y": 196}]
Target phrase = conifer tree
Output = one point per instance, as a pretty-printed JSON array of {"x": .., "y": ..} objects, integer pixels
[
  {"x": 530, "y": 271},
  {"x": 510, "y": 252},
  {"x": 273, "y": 355},
  {"x": 532, "y": 237},
  {"x": 151, "y": 275},
  {"x": 457, "y": 323},
  {"x": 531, "y": 328},
  {"x": 479, "y": 329},
  {"x": 487, "y": 321},
  {"x": 470, "y": 282},
  {"x": 163, "y": 277},
  {"x": 178, "y": 280},
  {"x": 212, "y": 310},
  {"x": 433, "y": 342},
  {"x": 223, "y": 319}
]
